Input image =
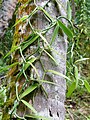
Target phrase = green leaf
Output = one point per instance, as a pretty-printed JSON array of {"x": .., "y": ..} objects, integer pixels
[
  {"x": 17, "y": 92},
  {"x": 83, "y": 59},
  {"x": 76, "y": 75},
  {"x": 34, "y": 68},
  {"x": 43, "y": 38},
  {"x": 55, "y": 33},
  {"x": 29, "y": 106},
  {"x": 46, "y": 13},
  {"x": 28, "y": 90},
  {"x": 14, "y": 48},
  {"x": 37, "y": 117},
  {"x": 46, "y": 81},
  {"x": 21, "y": 20},
  {"x": 69, "y": 11},
  {"x": 32, "y": 59},
  {"x": 58, "y": 73},
  {"x": 26, "y": 3},
  {"x": 87, "y": 85},
  {"x": 66, "y": 30},
  {"x": 5, "y": 68},
  {"x": 29, "y": 42},
  {"x": 71, "y": 89},
  {"x": 51, "y": 57}
]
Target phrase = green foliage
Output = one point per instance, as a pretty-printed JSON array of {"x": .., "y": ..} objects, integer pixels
[
  {"x": 37, "y": 117},
  {"x": 0, "y": 3},
  {"x": 78, "y": 62},
  {"x": 71, "y": 89},
  {"x": 69, "y": 11},
  {"x": 28, "y": 90},
  {"x": 78, "y": 55},
  {"x": 2, "y": 95},
  {"x": 5, "y": 46},
  {"x": 27, "y": 62},
  {"x": 66, "y": 30},
  {"x": 29, "y": 106},
  {"x": 87, "y": 86}
]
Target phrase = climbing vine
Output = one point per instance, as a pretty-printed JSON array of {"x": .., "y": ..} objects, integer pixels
[{"x": 29, "y": 44}]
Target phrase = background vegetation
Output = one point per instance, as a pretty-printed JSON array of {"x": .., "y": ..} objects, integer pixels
[{"x": 78, "y": 62}]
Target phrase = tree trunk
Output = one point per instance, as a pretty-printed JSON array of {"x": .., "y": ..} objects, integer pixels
[
  {"x": 6, "y": 12},
  {"x": 51, "y": 105}
]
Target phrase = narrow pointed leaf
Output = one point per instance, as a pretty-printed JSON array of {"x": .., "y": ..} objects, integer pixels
[
  {"x": 76, "y": 75},
  {"x": 87, "y": 85},
  {"x": 71, "y": 89},
  {"x": 58, "y": 73},
  {"x": 21, "y": 20},
  {"x": 24, "y": 5},
  {"x": 29, "y": 42},
  {"x": 37, "y": 117},
  {"x": 29, "y": 106},
  {"x": 43, "y": 38},
  {"x": 28, "y": 90},
  {"x": 46, "y": 13},
  {"x": 69, "y": 11},
  {"x": 26, "y": 66},
  {"x": 46, "y": 81},
  {"x": 36, "y": 71},
  {"x": 14, "y": 48},
  {"x": 5, "y": 68},
  {"x": 55, "y": 33},
  {"x": 83, "y": 59},
  {"x": 51, "y": 57},
  {"x": 66, "y": 30}
]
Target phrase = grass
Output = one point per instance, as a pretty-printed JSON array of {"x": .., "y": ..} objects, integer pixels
[{"x": 78, "y": 106}]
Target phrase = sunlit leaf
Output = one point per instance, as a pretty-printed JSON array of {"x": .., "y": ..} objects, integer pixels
[
  {"x": 28, "y": 90},
  {"x": 43, "y": 38},
  {"x": 29, "y": 106},
  {"x": 5, "y": 68},
  {"x": 83, "y": 59},
  {"x": 76, "y": 75},
  {"x": 21, "y": 20},
  {"x": 32, "y": 59},
  {"x": 46, "y": 13},
  {"x": 37, "y": 117},
  {"x": 51, "y": 57},
  {"x": 55, "y": 33},
  {"x": 14, "y": 48},
  {"x": 69, "y": 11},
  {"x": 65, "y": 29},
  {"x": 71, "y": 89},
  {"x": 58, "y": 73},
  {"x": 24, "y": 5},
  {"x": 17, "y": 92},
  {"x": 34, "y": 68},
  {"x": 29, "y": 42},
  {"x": 46, "y": 81},
  {"x": 87, "y": 85}
]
